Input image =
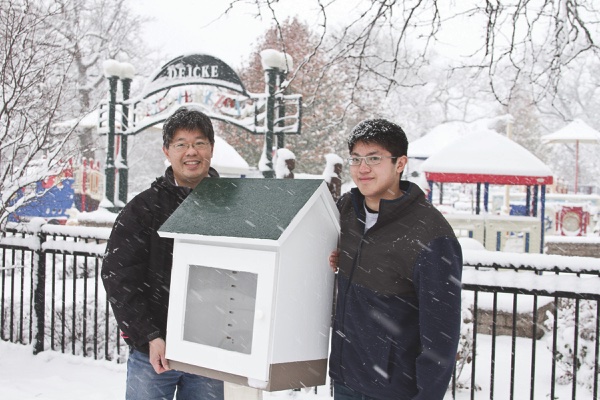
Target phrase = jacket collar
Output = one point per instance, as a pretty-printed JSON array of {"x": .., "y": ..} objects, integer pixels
[
  {"x": 170, "y": 177},
  {"x": 410, "y": 193}
]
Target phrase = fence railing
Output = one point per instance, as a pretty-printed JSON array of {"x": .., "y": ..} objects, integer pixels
[
  {"x": 530, "y": 321},
  {"x": 536, "y": 304},
  {"x": 51, "y": 294}
]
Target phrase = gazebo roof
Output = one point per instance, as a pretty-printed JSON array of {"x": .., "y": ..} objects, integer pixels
[
  {"x": 436, "y": 139},
  {"x": 576, "y": 131},
  {"x": 486, "y": 157}
]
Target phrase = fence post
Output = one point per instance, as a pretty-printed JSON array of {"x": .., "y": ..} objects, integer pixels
[
  {"x": 39, "y": 292},
  {"x": 233, "y": 391}
]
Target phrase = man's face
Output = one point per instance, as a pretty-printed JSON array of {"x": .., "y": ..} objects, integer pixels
[
  {"x": 379, "y": 181},
  {"x": 189, "y": 153}
]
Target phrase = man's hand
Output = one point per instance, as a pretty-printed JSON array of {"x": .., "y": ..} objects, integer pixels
[
  {"x": 157, "y": 355},
  {"x": 333, "y": 260}
]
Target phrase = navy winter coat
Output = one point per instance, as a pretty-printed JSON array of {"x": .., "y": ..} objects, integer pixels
[{"x": 397, "y": 320}]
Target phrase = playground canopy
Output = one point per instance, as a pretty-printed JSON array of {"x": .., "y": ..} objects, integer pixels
[
  {"x": 436, "y": 139},
  {"x": 576, "y": 132},
  {"x": 486, "y": 157}
]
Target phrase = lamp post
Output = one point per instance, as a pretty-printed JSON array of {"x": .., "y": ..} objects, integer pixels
[
  {"x": 127, "y": 74},
  {"x": 276, "y": 65},
  {"x": 111, "y": 72},
  {"x": 270, "y": 78},
  {"x": 281, "y": 105},
  {"x": 115, "y": 71}
]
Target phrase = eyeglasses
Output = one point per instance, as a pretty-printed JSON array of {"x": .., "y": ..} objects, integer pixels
[
  {"x": 181, "y": 147},
  {"x": 369, "y": 160}
]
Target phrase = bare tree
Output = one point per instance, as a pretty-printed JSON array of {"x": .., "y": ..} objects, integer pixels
[
  {"x": 531, "y": 40},
  {"x": 579, "y": 98},
  {"x": 537, "y": 59},
  {"x": 325, "y": 99},
  {"x": 93, "y": 31},
  {"x": 434, "y": 95},
  {"x": 32, "y": 79}
]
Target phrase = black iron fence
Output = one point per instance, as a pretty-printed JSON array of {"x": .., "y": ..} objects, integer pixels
[
  {"x": 530, "y": 322},
  {"x": 51, "y": 295},
  {"x": 545, "y": 310}
]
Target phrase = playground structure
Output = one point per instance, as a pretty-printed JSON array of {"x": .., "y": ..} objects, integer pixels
[
  {"x": 493, "y": 231},
  {"x": 572, "y": 220},
  {"x": 484, "y": 157},
  {"x": 78, "y": 188}
]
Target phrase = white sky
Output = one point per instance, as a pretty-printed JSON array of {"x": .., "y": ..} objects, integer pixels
[
  {"x": 184, "y": 26},
  {"x": 188, "y": 26}
]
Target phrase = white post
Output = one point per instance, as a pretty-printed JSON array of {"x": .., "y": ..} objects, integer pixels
[
  {"x": 238, "y": 392},
  {"x": 507, "y": 187}
]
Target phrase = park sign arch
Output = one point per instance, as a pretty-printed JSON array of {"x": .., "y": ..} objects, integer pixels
[
  {"x": 198, "y": 81},
  {"x": 218, "y": 92},
  {"x": 194, "y": 69}
]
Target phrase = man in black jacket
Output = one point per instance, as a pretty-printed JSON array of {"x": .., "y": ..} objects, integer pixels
[
  {"x": 137, "y": 266},
  {"x": 397, "y": 320}
]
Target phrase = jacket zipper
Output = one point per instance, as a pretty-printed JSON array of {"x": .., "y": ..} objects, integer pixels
[{"x": 343, "y": 313}]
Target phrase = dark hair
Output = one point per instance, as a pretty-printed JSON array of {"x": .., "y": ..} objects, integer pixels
[
  {"x": 188, "y": 119},
  {"x": 382, "y": 132}
]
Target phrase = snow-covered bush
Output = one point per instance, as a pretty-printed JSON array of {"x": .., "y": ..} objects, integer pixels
[
  {"x": 89, "y": 335},
  {"x": 68, "y": 266},
  {"x": 565, "y": 340}
]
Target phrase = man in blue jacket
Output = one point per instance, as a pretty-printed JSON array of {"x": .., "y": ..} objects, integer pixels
[{"x": 397, "y": 319}]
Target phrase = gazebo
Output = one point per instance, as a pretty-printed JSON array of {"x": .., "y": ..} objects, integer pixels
[
  {"x": 576, "y": 132},
  {"x": 486, "y": 157}
]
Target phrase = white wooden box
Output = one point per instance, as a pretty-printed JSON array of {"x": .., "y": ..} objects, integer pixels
[{"x": 251, "y": 291}]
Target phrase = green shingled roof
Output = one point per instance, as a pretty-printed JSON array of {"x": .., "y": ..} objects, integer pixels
[{"x": 243, "y": 208}]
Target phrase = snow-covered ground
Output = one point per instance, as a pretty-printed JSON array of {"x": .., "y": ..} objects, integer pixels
[{"x": 54, "y": 376}]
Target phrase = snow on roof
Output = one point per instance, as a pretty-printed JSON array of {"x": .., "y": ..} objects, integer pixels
[
  {"x": 575, "y": 131},
  {"x": 486, "y": 156},
  {"x": 90, "y": 120},
  {"x": 436, "y": 139},
  {"x": 227, "y": 160}
]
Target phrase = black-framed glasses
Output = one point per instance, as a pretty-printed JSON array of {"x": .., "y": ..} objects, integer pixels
[{"x": 369, "y": 160}]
